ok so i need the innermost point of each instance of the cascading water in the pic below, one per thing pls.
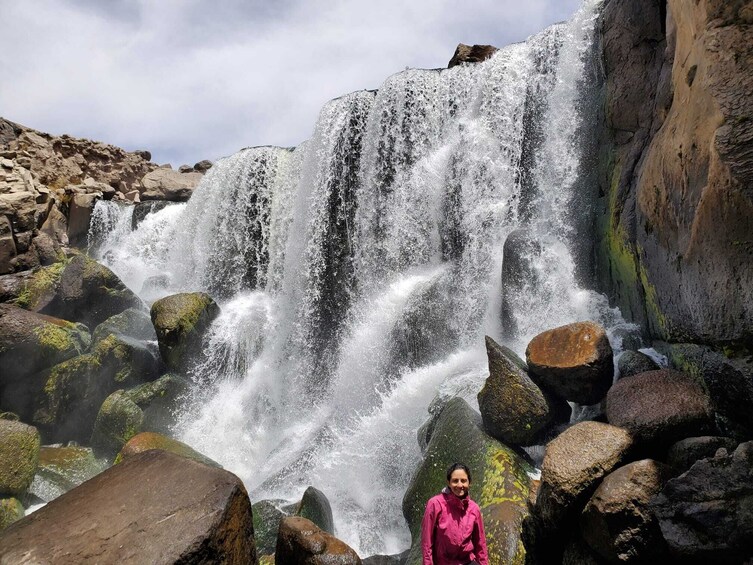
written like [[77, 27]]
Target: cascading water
[[358, 273]]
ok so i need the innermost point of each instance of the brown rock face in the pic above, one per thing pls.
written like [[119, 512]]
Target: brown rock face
[[574, 361], [167, 184], [301, 542], [618, 523], [659, 407], [471, 54], [574, 462], [154, 508]]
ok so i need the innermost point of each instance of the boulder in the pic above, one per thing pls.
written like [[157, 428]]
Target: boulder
[[143, 209], [79, 216], [132, 323], [63, 468], [167, 184], [156, 507], [155, 283], [386, 559], [573, 361], [30, 342], [266, 524], [314, 506], [471, 54], [631, 363], [180, 321], [659, 407], [618, 523], [500, 486], [202, 166], [89, 292], [12, 285], [146, 441], [158, 400], [301, 542], [11, 510], [519, 277], [19, 456], [514, 409], [705, 514], [574, 464], [39, 287], [682, 455]]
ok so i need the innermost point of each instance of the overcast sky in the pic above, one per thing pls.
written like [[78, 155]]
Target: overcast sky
[[192, 79]]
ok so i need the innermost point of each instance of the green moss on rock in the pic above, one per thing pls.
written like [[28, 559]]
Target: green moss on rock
[[40, 288], [11, 510], [19, 456], [266, 523], [119, 419]]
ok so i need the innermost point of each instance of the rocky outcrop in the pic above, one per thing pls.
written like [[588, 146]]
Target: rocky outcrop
[[676, 166], [180, 321], [513, 408], [471, 54], [19, 456], [141, 511], [573, 361], [500, 481], [301, 542]]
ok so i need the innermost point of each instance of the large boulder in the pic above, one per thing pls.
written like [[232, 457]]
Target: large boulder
[[314, 506], [501, 481], [40, 286], [705, 514], [156, 508], [659, 407], [147, 441], [301, 542], [574, 361], [89, 292], [31, 342], [19, 456], [513, 408], [618, 523], [180, 321], [168, 184]]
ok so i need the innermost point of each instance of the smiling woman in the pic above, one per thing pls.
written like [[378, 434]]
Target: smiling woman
[[452, 531]]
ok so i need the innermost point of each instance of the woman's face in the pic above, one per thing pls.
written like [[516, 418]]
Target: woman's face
[[459, 483]]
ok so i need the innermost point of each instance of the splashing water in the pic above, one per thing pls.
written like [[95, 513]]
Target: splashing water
[[358, 273]]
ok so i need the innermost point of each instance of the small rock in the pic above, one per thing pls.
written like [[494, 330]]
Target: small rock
[[19, 456], [471, 54], [133, 196], [11, 510], [300, 541], [185, 169], [202, 166], [634, 362], [685, 452]]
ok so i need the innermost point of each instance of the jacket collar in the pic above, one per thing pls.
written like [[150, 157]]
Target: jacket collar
[[452, 500]]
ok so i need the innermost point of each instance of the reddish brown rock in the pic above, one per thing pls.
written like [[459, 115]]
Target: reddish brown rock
[[155, 508], [471, 54], [147, 441], [301, 542], [659, 407], [573, 361]]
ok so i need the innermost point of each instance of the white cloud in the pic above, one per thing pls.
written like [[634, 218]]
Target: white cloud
[[197, 79]]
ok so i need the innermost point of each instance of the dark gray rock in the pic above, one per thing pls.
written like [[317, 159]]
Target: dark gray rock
[[132, 323], [633, 362], [314, 506], [685, 452], [267, 518], [143, 209]]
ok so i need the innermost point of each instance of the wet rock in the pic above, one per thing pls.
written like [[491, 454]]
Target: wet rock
[[573, 361], [19, 456], [146, 441], [618, 523], [659, 407], [89, 292], [132, 323], [500, 485], [11, 510], [156, 507], [267, 519], [314, 506], [79, 216], [519, 277], [682, 455], [158, 400], [634, 362], [155, 283], [514, 409], [118, 420], [180, 321], [166, 184], [705, 513], [301, 542], [386, 559], [471, 54], [143, 209], [63, 468], [40, 286], [574, 463]]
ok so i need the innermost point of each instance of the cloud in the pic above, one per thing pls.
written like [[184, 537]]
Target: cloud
[[195, 79]]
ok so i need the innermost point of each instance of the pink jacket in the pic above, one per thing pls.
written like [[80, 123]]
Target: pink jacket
[[452, 532]]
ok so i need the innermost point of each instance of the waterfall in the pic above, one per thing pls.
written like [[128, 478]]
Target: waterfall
[[359, 272]]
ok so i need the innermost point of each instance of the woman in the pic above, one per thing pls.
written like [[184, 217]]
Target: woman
[[452, 532]]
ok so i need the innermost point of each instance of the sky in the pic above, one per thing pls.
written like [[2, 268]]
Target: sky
[[198, 79]]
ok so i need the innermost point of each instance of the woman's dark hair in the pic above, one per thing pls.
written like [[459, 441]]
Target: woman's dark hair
[[455, 466]]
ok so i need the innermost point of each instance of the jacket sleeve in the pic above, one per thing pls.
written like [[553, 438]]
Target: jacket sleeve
[[427, 531], [479, 540]]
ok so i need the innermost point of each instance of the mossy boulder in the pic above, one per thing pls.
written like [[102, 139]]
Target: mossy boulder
[[62, 469], [19, 456], [146, 441], [132, 322], [39, 289], [90, 293], [30, 342], [315, 507], [180, 321], [514, 409], [267, 518], [11, 510], [72, 392], [159, 400], [500, 486]]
